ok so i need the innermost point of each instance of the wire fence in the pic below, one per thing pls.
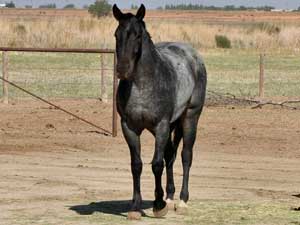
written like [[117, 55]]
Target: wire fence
[[72, 75], [45, 73], [59, 75], [238, 73]]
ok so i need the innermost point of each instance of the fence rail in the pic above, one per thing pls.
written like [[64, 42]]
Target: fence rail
[[65, 50], [5, 72]]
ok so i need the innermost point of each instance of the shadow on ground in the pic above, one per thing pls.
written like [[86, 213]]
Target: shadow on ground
[[297, 196], [108, 207]]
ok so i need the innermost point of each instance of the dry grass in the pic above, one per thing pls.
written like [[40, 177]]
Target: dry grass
[[59, 32], [87, 32]]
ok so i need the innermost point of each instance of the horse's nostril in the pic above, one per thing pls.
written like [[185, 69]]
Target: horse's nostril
[[121, 68]]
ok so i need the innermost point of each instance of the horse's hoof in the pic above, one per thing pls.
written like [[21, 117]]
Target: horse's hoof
[[181, 208], [134, 215], [158, 213], [171, 204]]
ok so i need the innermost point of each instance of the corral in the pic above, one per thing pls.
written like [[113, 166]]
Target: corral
[[56, 170]]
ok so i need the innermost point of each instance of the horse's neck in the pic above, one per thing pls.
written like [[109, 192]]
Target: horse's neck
[[146, 67]]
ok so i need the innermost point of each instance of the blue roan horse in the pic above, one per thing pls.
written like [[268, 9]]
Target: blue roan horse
[[162, 89]]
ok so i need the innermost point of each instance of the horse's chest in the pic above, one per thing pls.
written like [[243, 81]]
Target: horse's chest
[[141, 113]]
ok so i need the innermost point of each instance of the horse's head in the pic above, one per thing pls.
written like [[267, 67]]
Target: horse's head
[[128, 40]]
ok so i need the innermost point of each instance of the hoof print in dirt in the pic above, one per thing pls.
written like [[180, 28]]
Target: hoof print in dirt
[[134, 215], [50, 126]]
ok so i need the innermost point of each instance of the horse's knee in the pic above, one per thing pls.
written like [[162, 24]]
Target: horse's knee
[[187, 157], [137, 167], [157, 167], [170, 159]]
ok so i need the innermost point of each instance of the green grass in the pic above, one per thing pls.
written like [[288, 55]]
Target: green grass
[[242, 213], [237, 72], [78, 75]]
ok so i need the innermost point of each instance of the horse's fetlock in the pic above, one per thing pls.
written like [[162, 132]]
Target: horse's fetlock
[[170, 189]]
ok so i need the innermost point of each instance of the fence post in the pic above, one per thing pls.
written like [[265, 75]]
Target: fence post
[[115, 86], [262, 75], [103, 87], [5, 76]]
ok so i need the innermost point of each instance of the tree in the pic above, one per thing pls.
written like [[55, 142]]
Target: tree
[[69, 6], [229, 7], [48, 6], [134, 6], [100, 8], [10, 4]]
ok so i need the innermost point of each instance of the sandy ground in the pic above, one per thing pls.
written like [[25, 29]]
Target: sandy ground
[[53, 167]]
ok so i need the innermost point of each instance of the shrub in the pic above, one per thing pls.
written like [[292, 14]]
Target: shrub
[[48, 6], [266, 27], [222, 41], [10, 4], [100, 8], [20, 29], [69, 6]]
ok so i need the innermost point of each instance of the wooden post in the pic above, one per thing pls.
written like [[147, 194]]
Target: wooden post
[[103, 87], [115, 86], [262, 76], [5, 76]]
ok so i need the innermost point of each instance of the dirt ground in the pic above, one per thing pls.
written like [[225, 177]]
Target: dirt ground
[[55, 169]]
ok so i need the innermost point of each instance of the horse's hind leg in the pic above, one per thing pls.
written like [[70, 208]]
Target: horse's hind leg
[[189, 126], [133, 141], [170, 156]]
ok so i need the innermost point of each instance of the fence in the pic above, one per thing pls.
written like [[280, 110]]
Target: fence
[[239, 73], [33, 82], [249, 74]]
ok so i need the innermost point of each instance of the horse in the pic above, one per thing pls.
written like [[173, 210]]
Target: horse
[[161, 89]]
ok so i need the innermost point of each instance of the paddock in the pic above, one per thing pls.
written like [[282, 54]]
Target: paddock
[[56, 170]]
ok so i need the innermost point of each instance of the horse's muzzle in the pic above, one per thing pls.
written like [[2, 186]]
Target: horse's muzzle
[[123, 71]]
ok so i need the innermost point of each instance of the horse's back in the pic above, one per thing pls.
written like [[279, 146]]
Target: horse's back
[[188, 68]]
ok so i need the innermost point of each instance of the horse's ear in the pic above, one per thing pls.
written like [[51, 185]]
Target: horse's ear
[[117, 12], [141, 12]]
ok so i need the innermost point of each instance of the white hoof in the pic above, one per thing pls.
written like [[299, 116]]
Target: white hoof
[[182, 204], [171, 204], [133, 215], [181, 208], [160, 213]]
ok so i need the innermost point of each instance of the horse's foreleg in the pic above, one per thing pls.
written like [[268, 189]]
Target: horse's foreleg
[[161, 140], [133, 141]]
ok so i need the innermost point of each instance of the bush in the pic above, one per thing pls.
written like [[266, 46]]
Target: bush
[[269, 28], [100, 8], [20, 30], [69, 6], [222, 41], [48, 6], [10, 4]]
